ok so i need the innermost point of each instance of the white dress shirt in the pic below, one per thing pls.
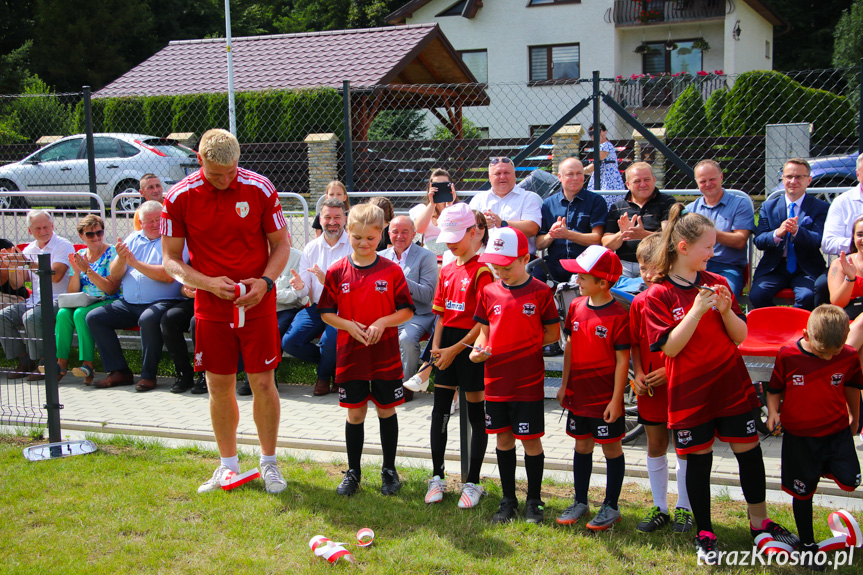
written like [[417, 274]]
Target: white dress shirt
[[843, 212], [318, 251], [519, 204]]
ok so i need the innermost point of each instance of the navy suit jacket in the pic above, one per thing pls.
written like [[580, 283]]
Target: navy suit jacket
[[807, 242], [421, 274]]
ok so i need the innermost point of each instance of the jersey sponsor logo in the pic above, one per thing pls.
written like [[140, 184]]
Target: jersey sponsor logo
[[523, 428], [750, 427], [797, 380], [199, 359], [242, 209], [602, 430], [446, 283], [381, 286], [496, 310], [454, 305], [678, 313], [497, 244], [799, 486], [528, 309], [346, 287], [464, 283], [836, 379], [684, 436], [602, 331], [574, 325]]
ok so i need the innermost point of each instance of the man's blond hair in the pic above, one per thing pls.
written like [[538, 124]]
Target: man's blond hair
[[219, 147], [366, 215]]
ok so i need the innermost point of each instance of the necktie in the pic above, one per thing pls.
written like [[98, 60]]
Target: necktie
[[791, 260]]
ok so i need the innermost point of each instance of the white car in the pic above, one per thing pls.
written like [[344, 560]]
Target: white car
[[121, 160]]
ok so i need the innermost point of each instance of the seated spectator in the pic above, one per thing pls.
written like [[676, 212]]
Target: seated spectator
[[642, 211], [90, 275], [734, 221], [21, 267], [147, 292], [8, 294], [387, 206], [572, 219], [288, 300], [789, 233], [845, 279], [425, 216], [335, 189], [151, 190], [174, 323], [420, 268], [318, 256]]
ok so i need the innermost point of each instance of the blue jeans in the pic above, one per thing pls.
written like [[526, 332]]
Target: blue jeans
[[308, 325], [104, 321], [733, 273]]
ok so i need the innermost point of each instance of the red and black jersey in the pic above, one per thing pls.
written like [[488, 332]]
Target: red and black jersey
[[708, 378], [515, 316], [226, 233], [815, 403], [596, 334], [457, 292], [654, 408], [366, 294]]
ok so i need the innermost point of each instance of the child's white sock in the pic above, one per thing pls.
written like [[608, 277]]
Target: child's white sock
[[267, 459], [232, 463], [682, 494], [657, 471]]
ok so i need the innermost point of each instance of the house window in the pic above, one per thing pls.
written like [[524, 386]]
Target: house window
[[454, 10], [684, 58], [477, 62], [767, 49], [554, 63]]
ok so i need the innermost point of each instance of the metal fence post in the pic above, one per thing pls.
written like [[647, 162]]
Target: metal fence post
[[91, 154], [597, 161], [49, 345], [348, 140]]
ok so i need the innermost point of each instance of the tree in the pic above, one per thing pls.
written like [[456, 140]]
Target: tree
[[469, 131], [398, 125], [806, 43]]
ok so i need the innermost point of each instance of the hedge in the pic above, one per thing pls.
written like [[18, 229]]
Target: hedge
[[686, 116]]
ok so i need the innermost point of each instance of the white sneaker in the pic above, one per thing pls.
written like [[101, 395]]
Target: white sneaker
[[416, 383], [273, 479], [437, 487], [471, 493], [214, 483]]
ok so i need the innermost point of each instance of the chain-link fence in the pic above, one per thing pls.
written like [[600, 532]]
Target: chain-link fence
[[299, 139]]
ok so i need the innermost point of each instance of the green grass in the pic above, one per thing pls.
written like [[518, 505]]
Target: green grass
[[131, 507]]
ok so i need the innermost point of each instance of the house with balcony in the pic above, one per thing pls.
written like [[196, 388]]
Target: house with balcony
[[546, 49]]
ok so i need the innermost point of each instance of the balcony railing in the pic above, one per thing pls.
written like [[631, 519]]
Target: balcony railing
[[658, 11], [649, 92]]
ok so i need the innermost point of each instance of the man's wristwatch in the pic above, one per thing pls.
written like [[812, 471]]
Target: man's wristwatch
[[269, 283], [504, 224]]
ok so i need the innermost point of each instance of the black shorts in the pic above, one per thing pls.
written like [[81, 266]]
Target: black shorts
[[806, 459], [526, 419], [583, 427], [643, 421], [730, 429], [462, 372], [383, 393]]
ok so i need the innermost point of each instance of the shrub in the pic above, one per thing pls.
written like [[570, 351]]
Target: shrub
[[686, 116], [714, 109], [40, 112], [125, 115], [468, 128], [157, 111]]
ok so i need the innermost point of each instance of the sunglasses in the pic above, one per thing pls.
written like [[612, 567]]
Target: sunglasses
[[501, 160], [96, 234]]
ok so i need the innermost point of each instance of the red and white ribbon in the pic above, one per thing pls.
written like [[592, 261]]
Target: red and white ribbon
[[239, 312], [770, 546], [233, 480], [332, 551], [846, 532]]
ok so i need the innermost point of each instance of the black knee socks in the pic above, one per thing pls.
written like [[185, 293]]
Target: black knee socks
[[533, 466], [506, 466], [582, 467], [355, 436], [478, 439], [439, 420], [698, 485], [389, 440], [803, 518], [614, 481], [752, 475]]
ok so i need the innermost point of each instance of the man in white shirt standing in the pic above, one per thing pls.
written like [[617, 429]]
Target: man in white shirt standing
[[40, 224], [508, 205], [318, 256]]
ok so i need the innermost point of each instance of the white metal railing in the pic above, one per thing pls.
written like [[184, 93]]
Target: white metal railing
[[13, 224]]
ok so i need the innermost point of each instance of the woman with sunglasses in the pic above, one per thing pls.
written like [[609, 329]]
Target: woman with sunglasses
[[609, 174], [89, 274]]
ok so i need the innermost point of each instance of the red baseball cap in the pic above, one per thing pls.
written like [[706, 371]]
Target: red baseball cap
[[505, 245], [597, 261]]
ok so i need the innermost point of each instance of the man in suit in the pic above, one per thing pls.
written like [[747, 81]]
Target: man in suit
[[420, 268], [789, 233]]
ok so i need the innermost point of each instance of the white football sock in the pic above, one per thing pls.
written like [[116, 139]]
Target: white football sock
[[657, 471], [682, 494], [232, 463]]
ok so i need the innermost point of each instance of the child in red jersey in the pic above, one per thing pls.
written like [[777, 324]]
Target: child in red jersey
[[694, 319], [650, 387], [595, 368], [518, 318], [459, 284], [366, 298], [820, 381]]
